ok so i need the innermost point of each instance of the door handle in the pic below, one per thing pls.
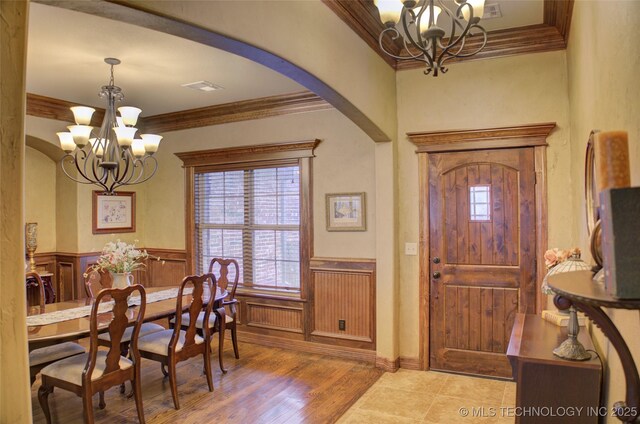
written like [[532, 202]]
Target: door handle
[[436, 275]]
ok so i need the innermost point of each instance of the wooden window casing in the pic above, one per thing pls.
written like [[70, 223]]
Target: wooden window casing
[[298, 154]]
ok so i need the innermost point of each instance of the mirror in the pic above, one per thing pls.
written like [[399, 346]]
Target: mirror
[[592, 202]]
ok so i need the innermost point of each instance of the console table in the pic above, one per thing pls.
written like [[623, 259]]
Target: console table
[[547, 381], [579, 289]]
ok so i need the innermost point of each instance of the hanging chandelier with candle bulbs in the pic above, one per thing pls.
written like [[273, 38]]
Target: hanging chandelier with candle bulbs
[[111, 156], [415, 22]]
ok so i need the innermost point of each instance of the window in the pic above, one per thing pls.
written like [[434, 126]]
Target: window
[[480, 202], [252, 204], [253, 216]]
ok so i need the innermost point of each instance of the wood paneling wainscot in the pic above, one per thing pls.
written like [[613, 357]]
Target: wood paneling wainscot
[[343, 289]]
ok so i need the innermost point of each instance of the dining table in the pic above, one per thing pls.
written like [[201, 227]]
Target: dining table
[[79, 327]]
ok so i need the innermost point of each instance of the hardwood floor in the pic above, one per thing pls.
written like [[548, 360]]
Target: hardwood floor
[[266, 385]]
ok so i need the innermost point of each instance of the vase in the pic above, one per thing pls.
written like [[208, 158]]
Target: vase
[[121, 280]]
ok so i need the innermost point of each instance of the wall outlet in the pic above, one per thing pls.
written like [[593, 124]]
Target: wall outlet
[[341, 325], [411, 249]]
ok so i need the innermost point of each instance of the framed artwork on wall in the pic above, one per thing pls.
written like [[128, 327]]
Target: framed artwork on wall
[[346, 212], [114, 213]]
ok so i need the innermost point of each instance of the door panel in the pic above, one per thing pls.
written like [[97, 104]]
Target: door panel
[[481, 207]]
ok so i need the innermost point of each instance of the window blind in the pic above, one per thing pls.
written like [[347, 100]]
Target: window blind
[[252, 216]]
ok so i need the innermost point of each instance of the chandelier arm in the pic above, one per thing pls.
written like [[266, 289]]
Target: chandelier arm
[[126, 175], [391, 30], [419, 43], [71, 159], [484, 43], [143, 167]]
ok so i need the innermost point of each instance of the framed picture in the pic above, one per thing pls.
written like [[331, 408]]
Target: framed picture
[[114, 213], [346, 212]]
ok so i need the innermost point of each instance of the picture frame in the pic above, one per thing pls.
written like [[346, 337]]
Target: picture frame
[[346, 211], [114, 213]]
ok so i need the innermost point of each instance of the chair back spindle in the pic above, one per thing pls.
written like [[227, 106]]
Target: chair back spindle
[[36, 277], [223, 279], [197, 305]]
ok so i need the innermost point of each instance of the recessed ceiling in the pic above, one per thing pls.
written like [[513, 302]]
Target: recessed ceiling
[[65, 60]]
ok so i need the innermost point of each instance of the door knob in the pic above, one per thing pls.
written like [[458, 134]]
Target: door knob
[[436, 275], [436, 260]]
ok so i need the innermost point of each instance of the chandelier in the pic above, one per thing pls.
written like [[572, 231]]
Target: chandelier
[[109, 157], [416, 23]]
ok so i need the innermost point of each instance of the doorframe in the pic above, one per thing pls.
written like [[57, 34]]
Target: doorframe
[[532, 135]]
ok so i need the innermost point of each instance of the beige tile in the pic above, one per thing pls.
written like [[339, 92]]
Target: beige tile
[[490, 392], [506, 420], [367, 417], [403, 403], [445, 409], [424, 381], [509, 398]]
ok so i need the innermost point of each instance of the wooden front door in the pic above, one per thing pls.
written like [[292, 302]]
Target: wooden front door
[[482, 256]]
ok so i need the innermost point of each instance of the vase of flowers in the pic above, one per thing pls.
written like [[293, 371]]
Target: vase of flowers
[[120, 259]]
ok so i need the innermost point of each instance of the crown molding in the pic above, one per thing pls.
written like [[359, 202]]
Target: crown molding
[[245, 110], [306, 101], [363, 18], [245, 154], [52, 108], [486, 138]]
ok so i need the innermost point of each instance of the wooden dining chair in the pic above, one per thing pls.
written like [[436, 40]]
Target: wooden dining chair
[[229, 307], [40, 358], [97, 370], [93, 284], [175, 345]]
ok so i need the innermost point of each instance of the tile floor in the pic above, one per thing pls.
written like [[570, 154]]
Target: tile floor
[[433, 398]]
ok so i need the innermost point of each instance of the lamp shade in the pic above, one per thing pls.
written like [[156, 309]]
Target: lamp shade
[[125, 135], [129, 115], [573, 263], [82, 114], [66, 141], [425, 17], [137, 147], [478, 9], [81, 134], [151, 142], [390, 10]]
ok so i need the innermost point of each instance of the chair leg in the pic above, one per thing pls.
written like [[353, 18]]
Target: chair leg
[[221, 351], [207, 366], [234, 339], [137, 393], [87, 408], [43, 398], [101, 405], [174, 384]]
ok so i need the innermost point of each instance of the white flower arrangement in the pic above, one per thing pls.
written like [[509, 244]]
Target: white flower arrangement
[[120, 257]]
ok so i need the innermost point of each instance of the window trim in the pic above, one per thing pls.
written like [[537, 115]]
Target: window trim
[[257, 156]]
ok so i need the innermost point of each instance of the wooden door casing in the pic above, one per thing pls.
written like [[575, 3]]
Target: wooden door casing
[[487, 268]]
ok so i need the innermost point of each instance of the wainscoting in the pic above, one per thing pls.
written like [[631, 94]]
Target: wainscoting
[[338, 290], [68, 270]]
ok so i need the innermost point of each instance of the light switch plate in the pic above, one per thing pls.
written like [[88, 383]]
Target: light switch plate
[[411, 249]]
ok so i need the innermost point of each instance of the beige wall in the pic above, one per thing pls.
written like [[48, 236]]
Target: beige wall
[[344, 162], [603, 60], [482, 94], [40, 197]]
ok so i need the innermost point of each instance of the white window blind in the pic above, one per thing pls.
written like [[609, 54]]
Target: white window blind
[[253, 216]]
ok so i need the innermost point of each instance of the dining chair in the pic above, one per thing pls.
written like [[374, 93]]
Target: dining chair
[[99, 369], [40, 358], [176, 345], [230, 301], [94, 282]]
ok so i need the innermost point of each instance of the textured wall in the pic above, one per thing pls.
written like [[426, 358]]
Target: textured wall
[[482, 94], [603, 60], [40, 197]]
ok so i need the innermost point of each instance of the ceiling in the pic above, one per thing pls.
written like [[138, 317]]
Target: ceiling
[[65, 57]]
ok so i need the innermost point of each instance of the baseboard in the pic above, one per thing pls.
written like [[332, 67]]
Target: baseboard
[[309, 347], [408, 363], [388, 365]]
